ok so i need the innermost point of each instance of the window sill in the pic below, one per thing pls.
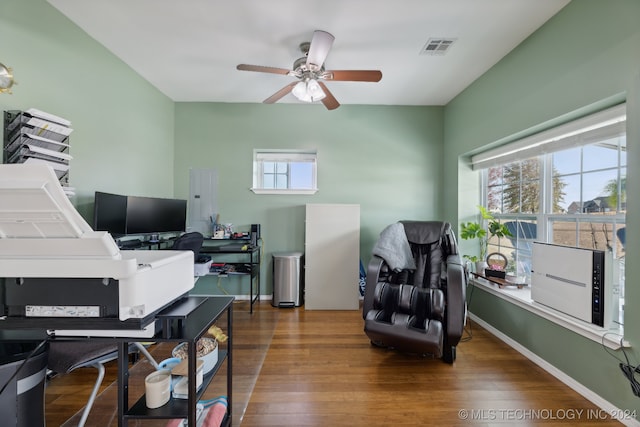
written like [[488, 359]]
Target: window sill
[[522, 298], [265, 191]]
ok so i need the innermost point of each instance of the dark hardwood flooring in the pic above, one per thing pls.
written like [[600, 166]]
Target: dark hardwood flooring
[[296, 367]]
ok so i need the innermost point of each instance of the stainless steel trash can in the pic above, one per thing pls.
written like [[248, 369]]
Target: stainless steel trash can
[[287, 279]]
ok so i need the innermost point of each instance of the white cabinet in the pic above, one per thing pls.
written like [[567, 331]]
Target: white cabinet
[[332, 256]]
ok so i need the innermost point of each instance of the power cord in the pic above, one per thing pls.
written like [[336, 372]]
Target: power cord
[[628, 370]]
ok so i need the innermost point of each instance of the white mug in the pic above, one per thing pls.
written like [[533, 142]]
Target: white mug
[[157, 388]]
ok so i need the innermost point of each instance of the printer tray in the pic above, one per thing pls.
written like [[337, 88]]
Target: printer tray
[[19, 296], [22, 294], [79, 324]]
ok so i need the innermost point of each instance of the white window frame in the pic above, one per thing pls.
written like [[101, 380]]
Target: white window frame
[[604, 124], [285, 156], [578, 132]]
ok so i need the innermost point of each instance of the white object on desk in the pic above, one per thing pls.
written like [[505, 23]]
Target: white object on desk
[[157, 387], [44, 239]]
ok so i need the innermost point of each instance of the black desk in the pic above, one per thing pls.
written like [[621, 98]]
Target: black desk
[[186, 320], [183, 322], [252, 259]]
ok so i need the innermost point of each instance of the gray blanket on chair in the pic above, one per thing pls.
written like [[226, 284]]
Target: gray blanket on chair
[[393, 247]]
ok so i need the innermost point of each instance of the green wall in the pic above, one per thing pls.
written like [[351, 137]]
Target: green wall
[[396, 162], [387, 159], [586, 57], [131, 139], [123, 127]]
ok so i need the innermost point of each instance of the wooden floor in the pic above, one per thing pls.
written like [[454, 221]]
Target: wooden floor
[[296, 367]]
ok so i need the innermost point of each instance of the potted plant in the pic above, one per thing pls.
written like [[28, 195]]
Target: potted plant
[[476, 230]]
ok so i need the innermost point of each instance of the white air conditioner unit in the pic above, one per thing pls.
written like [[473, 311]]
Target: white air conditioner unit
[[574, 281]]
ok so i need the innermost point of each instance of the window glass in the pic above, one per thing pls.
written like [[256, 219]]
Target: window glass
[[301, 175], [521, 192], [495, 189], [594, 191], [600, 156], [567, 161], [281, 167], [618, 191], [564, 233], [284, 172], [566, 193], [570, 195]]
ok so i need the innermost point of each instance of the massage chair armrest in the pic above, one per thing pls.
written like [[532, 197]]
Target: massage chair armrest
[[456, 299], [373, 273]]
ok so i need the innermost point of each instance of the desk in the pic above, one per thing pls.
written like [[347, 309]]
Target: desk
[[186, 320], [140, 243], [252, 261]]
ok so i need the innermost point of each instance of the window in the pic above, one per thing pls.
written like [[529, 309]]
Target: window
[[565, 186], [284, 172]]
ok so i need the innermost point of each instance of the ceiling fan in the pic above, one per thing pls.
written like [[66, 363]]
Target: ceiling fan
[[311, 73]]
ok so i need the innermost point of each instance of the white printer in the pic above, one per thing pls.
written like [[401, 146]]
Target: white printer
[[58, 274]]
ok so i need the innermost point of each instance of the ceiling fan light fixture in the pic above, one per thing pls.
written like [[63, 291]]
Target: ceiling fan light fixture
[[308, 91], [314, 90], [311, 74], [300, 91], [6, 79]]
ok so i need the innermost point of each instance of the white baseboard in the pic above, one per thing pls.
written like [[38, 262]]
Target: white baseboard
[[588, 394], [243, 297], [247, 297]]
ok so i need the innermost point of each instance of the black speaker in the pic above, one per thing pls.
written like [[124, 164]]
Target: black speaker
[[255, 234]]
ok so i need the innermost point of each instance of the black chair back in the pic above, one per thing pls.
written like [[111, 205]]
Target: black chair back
[[189, 241]]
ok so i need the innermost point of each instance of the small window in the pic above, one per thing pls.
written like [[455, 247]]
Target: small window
[[284, 171]]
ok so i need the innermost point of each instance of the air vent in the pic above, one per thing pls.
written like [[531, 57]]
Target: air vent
[[437, 46]]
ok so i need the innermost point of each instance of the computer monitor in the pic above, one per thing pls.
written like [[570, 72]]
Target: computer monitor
[[110, 213], [147, 215]]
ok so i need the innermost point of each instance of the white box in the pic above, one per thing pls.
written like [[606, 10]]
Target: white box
[[202, 268]]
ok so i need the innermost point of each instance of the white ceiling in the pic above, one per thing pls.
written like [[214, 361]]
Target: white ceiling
[[189, 49]]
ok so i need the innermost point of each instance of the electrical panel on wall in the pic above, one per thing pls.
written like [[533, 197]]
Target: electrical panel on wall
[[34, 136], [203, 208]]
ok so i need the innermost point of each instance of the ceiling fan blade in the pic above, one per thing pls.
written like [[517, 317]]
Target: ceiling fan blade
[[329, 100], [279, 94], [263, 69], [353, 75], [319, 49]]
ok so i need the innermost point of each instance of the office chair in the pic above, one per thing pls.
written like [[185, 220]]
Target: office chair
[[414, 297], [67, 356], [189, 241]]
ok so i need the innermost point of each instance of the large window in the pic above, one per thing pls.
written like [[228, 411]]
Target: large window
[[565, 186], [284, 172]]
